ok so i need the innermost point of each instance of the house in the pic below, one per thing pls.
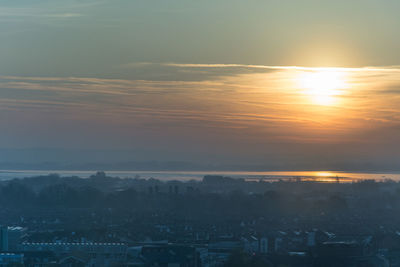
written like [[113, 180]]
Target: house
[[6, 259], [170, 255]]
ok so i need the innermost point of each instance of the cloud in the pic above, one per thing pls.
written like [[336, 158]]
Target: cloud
[[35, 13], [266, 67], [244, 109], [201, 72], [62, 15]]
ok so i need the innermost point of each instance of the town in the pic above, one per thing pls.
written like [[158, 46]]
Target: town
[[219, 221]]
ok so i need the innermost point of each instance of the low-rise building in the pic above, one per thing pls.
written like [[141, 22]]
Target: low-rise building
[[105, 253], [11, 258]]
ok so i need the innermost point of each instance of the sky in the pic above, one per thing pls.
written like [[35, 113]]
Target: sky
[[227, 84]]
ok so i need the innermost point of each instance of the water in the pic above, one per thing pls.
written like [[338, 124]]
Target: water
[[325, 176]]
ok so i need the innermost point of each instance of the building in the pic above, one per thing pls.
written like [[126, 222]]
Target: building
[[3, 238], [344, 249], [105, 254], [170, 255], [39, 258], [10, 237], [254, 245], [15, 236], [263, 245], [219, 251], [11, 258]]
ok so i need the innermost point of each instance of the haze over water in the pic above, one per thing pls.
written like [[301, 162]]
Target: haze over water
[[320, 176]]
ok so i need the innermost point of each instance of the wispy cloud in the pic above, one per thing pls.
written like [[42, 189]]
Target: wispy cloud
[[35, 13], [247, 109], [266, 67], [62, 15], [246, 100]]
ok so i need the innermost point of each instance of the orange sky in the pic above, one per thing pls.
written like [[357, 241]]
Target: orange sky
[[215, 82], [234, 113]]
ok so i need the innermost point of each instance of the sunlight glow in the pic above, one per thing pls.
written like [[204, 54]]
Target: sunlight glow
[[324, 174], [323, 85]]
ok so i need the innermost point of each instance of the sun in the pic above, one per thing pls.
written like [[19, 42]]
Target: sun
[[322, 85]]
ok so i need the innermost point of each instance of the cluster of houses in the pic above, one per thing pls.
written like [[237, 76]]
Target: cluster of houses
[[293, 248]]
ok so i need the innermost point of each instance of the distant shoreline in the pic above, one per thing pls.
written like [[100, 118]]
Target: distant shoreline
[[198, 175]]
